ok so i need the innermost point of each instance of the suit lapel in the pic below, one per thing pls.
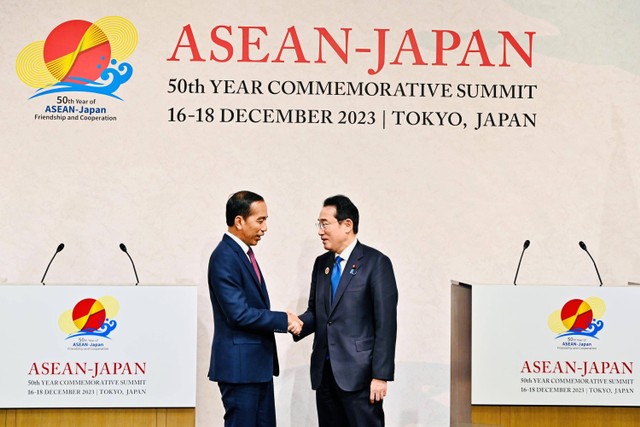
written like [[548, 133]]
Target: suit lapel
[[347, 274], [325, 282], [244, 260]]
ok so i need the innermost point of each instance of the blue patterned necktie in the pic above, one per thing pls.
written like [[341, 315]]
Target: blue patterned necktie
[[335, 277]]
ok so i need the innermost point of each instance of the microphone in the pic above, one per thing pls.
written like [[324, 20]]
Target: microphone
[[123, 248], [584, 248], [59, 249], [524, 248]]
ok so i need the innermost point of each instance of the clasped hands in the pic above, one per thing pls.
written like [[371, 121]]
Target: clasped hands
[[295, 324]]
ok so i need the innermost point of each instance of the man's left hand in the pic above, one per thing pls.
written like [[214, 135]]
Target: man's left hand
[[378, 390]]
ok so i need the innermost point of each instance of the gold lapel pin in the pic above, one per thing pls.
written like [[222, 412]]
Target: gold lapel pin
[[326, 271]]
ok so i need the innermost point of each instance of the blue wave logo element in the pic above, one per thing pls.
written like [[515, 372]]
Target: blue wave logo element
[[595, 327], [110, 81], [107, 327]]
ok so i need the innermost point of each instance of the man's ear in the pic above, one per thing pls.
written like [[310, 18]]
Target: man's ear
[[238, 222]]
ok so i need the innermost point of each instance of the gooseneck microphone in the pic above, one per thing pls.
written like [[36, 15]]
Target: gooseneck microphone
[[59, 249], [524, 248], [123, 248], [584, 248]]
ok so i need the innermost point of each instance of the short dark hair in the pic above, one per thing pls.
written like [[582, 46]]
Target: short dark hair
[[240, 204], [345, 209]]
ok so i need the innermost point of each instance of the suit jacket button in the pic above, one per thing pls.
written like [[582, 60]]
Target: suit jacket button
[[329, 323]]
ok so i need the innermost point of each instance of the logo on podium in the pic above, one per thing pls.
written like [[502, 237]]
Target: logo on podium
[[578, 321], [90, 320]]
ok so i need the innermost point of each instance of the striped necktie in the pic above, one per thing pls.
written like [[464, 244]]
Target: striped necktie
[[252, 257]]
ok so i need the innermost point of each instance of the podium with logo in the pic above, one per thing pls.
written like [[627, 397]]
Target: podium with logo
[[97, 355], [544, 355]]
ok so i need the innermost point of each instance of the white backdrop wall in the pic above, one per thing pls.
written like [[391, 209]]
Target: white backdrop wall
[[443, 202]]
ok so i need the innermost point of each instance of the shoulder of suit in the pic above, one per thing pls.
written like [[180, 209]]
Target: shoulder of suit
[[369, 251], [324, 256], [226, 246]]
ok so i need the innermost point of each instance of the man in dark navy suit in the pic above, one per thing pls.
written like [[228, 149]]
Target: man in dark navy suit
[[352, 310], [243, 354]]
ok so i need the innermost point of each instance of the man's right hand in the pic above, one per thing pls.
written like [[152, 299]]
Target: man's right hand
[[295, 324]]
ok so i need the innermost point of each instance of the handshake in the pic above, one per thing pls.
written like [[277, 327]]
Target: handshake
[[295, 324]]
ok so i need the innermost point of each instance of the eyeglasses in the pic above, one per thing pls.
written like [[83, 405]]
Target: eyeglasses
[[323, 225]]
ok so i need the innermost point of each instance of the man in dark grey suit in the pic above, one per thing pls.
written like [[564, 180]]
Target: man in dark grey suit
[[243, 354], [352, 310]]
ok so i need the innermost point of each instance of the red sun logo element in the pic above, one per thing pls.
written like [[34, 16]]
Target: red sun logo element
[[89, 315], [77, 51], [576, 315]]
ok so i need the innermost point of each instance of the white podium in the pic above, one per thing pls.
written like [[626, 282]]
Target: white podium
[[92, 346], [544, 355]]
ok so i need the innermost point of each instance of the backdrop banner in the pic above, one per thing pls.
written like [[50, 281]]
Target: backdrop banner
[[459, 129]]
